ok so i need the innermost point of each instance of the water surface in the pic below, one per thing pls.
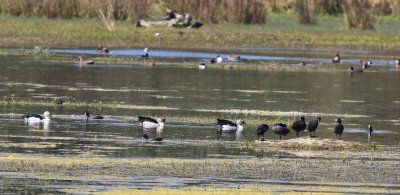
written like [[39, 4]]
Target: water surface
[[359, 99]]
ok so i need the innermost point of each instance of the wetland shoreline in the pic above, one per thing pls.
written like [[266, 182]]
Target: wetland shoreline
[[332, 168], [84, 33]]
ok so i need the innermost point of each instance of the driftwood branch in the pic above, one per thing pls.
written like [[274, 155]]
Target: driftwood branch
[[172, 20]]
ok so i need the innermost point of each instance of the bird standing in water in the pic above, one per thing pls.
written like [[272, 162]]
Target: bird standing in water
[[261, 129], [280, 129], [313, 125], [299, 125], [146, 51], [337, 59], [338, 130]]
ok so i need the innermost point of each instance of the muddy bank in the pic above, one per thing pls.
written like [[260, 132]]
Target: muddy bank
[[306, 143], [335, 169]]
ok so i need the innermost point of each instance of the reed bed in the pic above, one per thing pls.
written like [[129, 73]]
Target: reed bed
[[234, 11], [333, 7], [121, 9], [358, 14], [304, 12]]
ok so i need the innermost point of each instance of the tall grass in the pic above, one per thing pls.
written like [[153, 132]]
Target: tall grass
[[119, 9], [395, 5], [358, 14], [234, 11], [304, 12], [331, 7], [334, 7]]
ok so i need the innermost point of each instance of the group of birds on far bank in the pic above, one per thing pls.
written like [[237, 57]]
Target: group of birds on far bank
[[365, 64], [158, 124]]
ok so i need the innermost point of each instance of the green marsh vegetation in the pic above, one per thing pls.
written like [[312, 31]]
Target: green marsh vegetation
[[279, 31], [378, 171], [275, 25]]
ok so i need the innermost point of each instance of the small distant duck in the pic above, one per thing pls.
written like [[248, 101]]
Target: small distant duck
[[397, 62], [87, 114], [238, 58], [232, 58], [157, 139], [146, 51], [338, 128], [280, 129], [202, 66], [150, 123], [336, 59], [102, 49], [151, 64], [81, 61], [313, 125], [355, 70], [365, 64], [225, 125], [299, 125], [59, 101], [212, 60], [261, 129], [219, 59], [370, 130], [303, 63], [35, 118]]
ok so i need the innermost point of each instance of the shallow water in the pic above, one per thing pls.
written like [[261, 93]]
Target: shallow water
[[359, 99]]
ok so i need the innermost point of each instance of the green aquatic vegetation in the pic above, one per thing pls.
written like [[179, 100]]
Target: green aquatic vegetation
[[291, 169], [93, 104], [274, 68], [252, 117], [278, 113]]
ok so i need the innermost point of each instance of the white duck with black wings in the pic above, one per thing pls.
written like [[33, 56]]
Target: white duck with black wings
[[225, 125], [150, 123], [36, 118]]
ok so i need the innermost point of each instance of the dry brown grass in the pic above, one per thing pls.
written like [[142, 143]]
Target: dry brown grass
[[395, 6], [304, 12], [358, 14], [334, 7], [234, 11], [120, 9]]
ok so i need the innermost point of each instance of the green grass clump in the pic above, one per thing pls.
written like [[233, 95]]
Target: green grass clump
[[366, 147], [93, 104]]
